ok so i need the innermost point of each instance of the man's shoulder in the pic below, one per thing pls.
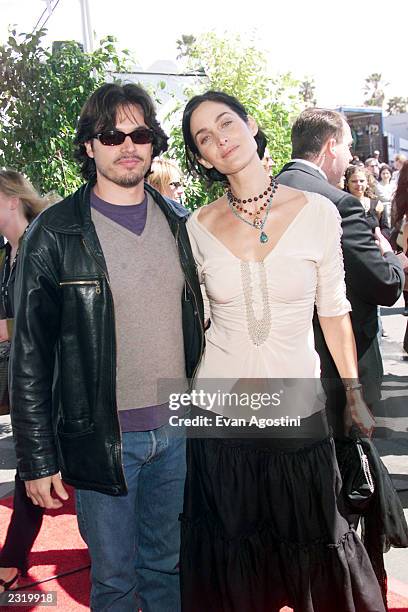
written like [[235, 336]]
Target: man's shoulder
[[62, 217], [337, 196], [305, 178], [177, 210], [55, 211], [65, 212]]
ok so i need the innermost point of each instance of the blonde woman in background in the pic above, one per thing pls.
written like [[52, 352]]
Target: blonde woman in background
[[19, 205], [166, 177]]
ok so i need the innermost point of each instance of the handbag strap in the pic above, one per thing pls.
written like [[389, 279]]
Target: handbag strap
[[366, 466]]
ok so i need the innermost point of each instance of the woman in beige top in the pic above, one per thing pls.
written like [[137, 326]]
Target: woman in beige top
[[261, 526]]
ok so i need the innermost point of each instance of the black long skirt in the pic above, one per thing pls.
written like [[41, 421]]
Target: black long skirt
[[262, 528]]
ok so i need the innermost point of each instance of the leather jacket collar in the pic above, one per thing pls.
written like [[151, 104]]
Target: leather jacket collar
[[74, 217]]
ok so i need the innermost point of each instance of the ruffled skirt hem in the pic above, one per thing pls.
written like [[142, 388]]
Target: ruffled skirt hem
[[261, 530]]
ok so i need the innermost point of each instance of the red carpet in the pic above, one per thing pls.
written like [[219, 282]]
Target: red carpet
[[59, 549]]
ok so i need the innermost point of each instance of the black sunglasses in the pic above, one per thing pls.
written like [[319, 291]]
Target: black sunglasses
[[112, 138]]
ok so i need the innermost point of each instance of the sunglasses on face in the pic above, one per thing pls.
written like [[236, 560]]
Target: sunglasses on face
[[112, 138]]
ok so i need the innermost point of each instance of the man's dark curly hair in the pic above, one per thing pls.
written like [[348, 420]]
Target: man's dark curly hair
[[99, 115]]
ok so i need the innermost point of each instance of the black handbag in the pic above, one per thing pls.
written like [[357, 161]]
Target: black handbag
[[358, 482]]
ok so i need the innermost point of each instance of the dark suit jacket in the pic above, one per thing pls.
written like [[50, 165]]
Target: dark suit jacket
[[371, 279]]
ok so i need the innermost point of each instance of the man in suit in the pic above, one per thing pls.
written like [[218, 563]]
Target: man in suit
[[321, 141]]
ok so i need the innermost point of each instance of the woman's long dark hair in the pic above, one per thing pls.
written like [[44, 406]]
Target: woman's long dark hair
[[400, 201], [192, 153]]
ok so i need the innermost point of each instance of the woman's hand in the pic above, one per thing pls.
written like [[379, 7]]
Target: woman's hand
[[358, 413]]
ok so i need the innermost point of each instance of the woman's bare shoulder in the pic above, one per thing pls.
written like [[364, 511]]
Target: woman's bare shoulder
[[210, 212], [286, 194]]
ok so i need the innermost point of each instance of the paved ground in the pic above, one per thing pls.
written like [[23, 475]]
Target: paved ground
[[392, 431], [392, 422], [7, 457]]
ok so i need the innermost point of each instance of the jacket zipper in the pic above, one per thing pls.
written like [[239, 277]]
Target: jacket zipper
[[118, 456], [196, 310], [95, 283]]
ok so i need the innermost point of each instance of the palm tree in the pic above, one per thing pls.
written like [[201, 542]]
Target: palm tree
[[307, 91], [374, 89], [185, 45]]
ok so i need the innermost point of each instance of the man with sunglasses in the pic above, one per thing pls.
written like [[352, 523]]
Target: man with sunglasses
[[110, 305]]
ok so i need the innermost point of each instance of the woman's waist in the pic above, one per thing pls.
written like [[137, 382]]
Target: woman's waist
[[270, 405], [273, 395], [273, 343], [273, 327]]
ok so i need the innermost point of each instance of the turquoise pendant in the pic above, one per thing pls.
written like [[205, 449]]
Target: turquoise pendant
[[263, 238]]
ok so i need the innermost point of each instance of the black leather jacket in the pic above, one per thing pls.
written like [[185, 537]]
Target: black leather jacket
[[63, 359]]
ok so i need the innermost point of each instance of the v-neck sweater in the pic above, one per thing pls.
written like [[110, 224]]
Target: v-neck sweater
[[147, 283]]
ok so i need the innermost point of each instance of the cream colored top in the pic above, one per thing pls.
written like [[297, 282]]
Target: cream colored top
[[261, 312]]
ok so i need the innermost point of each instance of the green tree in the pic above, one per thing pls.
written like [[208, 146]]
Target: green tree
[[40, 100], [240, 70], [374, 90], [397, 105]]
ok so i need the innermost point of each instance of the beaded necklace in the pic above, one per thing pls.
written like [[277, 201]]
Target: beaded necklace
[[257, 223], [236, 201]]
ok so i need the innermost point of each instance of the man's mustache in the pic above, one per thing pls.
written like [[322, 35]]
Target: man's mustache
[[132, 157]]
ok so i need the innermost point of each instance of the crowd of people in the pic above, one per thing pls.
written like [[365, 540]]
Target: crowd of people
[[275, 285], [381, 184], [384, 200]]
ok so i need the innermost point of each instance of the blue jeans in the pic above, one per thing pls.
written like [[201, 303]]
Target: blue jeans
[[134, 539]]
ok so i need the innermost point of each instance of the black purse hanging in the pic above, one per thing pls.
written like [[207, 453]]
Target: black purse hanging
[[4, 361], [357, 476], [5, 267]]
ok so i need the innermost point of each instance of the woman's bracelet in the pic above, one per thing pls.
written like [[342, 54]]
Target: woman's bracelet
[[352, 386]]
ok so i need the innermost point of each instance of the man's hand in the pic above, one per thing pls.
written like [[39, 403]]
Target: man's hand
[[379, 209], [4, 335], [39, 491], [382, 242]]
